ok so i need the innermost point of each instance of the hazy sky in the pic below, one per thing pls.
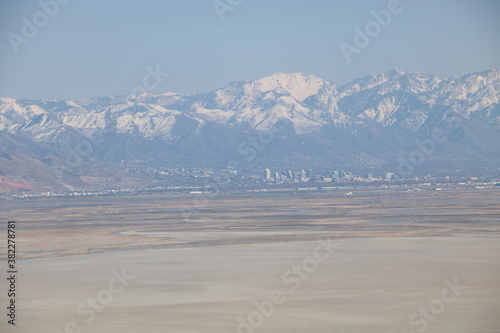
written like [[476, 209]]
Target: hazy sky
[[103, 47]]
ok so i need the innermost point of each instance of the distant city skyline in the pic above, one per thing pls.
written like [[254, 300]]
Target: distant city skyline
[[60, 49]]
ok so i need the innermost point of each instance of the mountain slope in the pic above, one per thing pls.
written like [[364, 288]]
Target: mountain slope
[[375, 118]]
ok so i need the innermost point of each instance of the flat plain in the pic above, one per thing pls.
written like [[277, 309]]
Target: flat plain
[[379, 260]]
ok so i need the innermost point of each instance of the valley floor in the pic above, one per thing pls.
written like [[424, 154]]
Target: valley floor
[[376, 261]]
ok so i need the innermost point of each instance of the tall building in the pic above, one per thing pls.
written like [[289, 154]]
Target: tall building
[[289, 174], [303, 175], [267, 174]]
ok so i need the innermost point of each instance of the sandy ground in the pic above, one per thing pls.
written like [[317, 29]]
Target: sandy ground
[[380, 261]]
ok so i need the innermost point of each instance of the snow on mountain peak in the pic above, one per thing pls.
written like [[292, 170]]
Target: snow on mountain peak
[[7, 100], [394, 98], [299, 85], [396, 71]]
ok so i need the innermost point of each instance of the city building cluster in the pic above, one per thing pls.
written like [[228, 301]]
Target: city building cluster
[[327, 177]]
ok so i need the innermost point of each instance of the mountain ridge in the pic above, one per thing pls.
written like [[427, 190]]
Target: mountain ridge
[[377, 118]]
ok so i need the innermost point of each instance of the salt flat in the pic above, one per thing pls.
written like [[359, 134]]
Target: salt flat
[[161, 264]]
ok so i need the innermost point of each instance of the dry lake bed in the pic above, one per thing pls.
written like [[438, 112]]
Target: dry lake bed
[[379, 260]]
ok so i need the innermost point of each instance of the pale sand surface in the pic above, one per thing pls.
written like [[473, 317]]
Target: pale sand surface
[[199, 275]]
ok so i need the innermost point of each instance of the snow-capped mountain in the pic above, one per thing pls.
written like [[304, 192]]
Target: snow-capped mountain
[[392, 99], [377, 117]]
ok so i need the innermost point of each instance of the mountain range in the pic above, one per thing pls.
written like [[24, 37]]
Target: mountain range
[[375, 120]]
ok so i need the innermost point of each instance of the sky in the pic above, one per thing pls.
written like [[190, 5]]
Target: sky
[[92, 48]]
